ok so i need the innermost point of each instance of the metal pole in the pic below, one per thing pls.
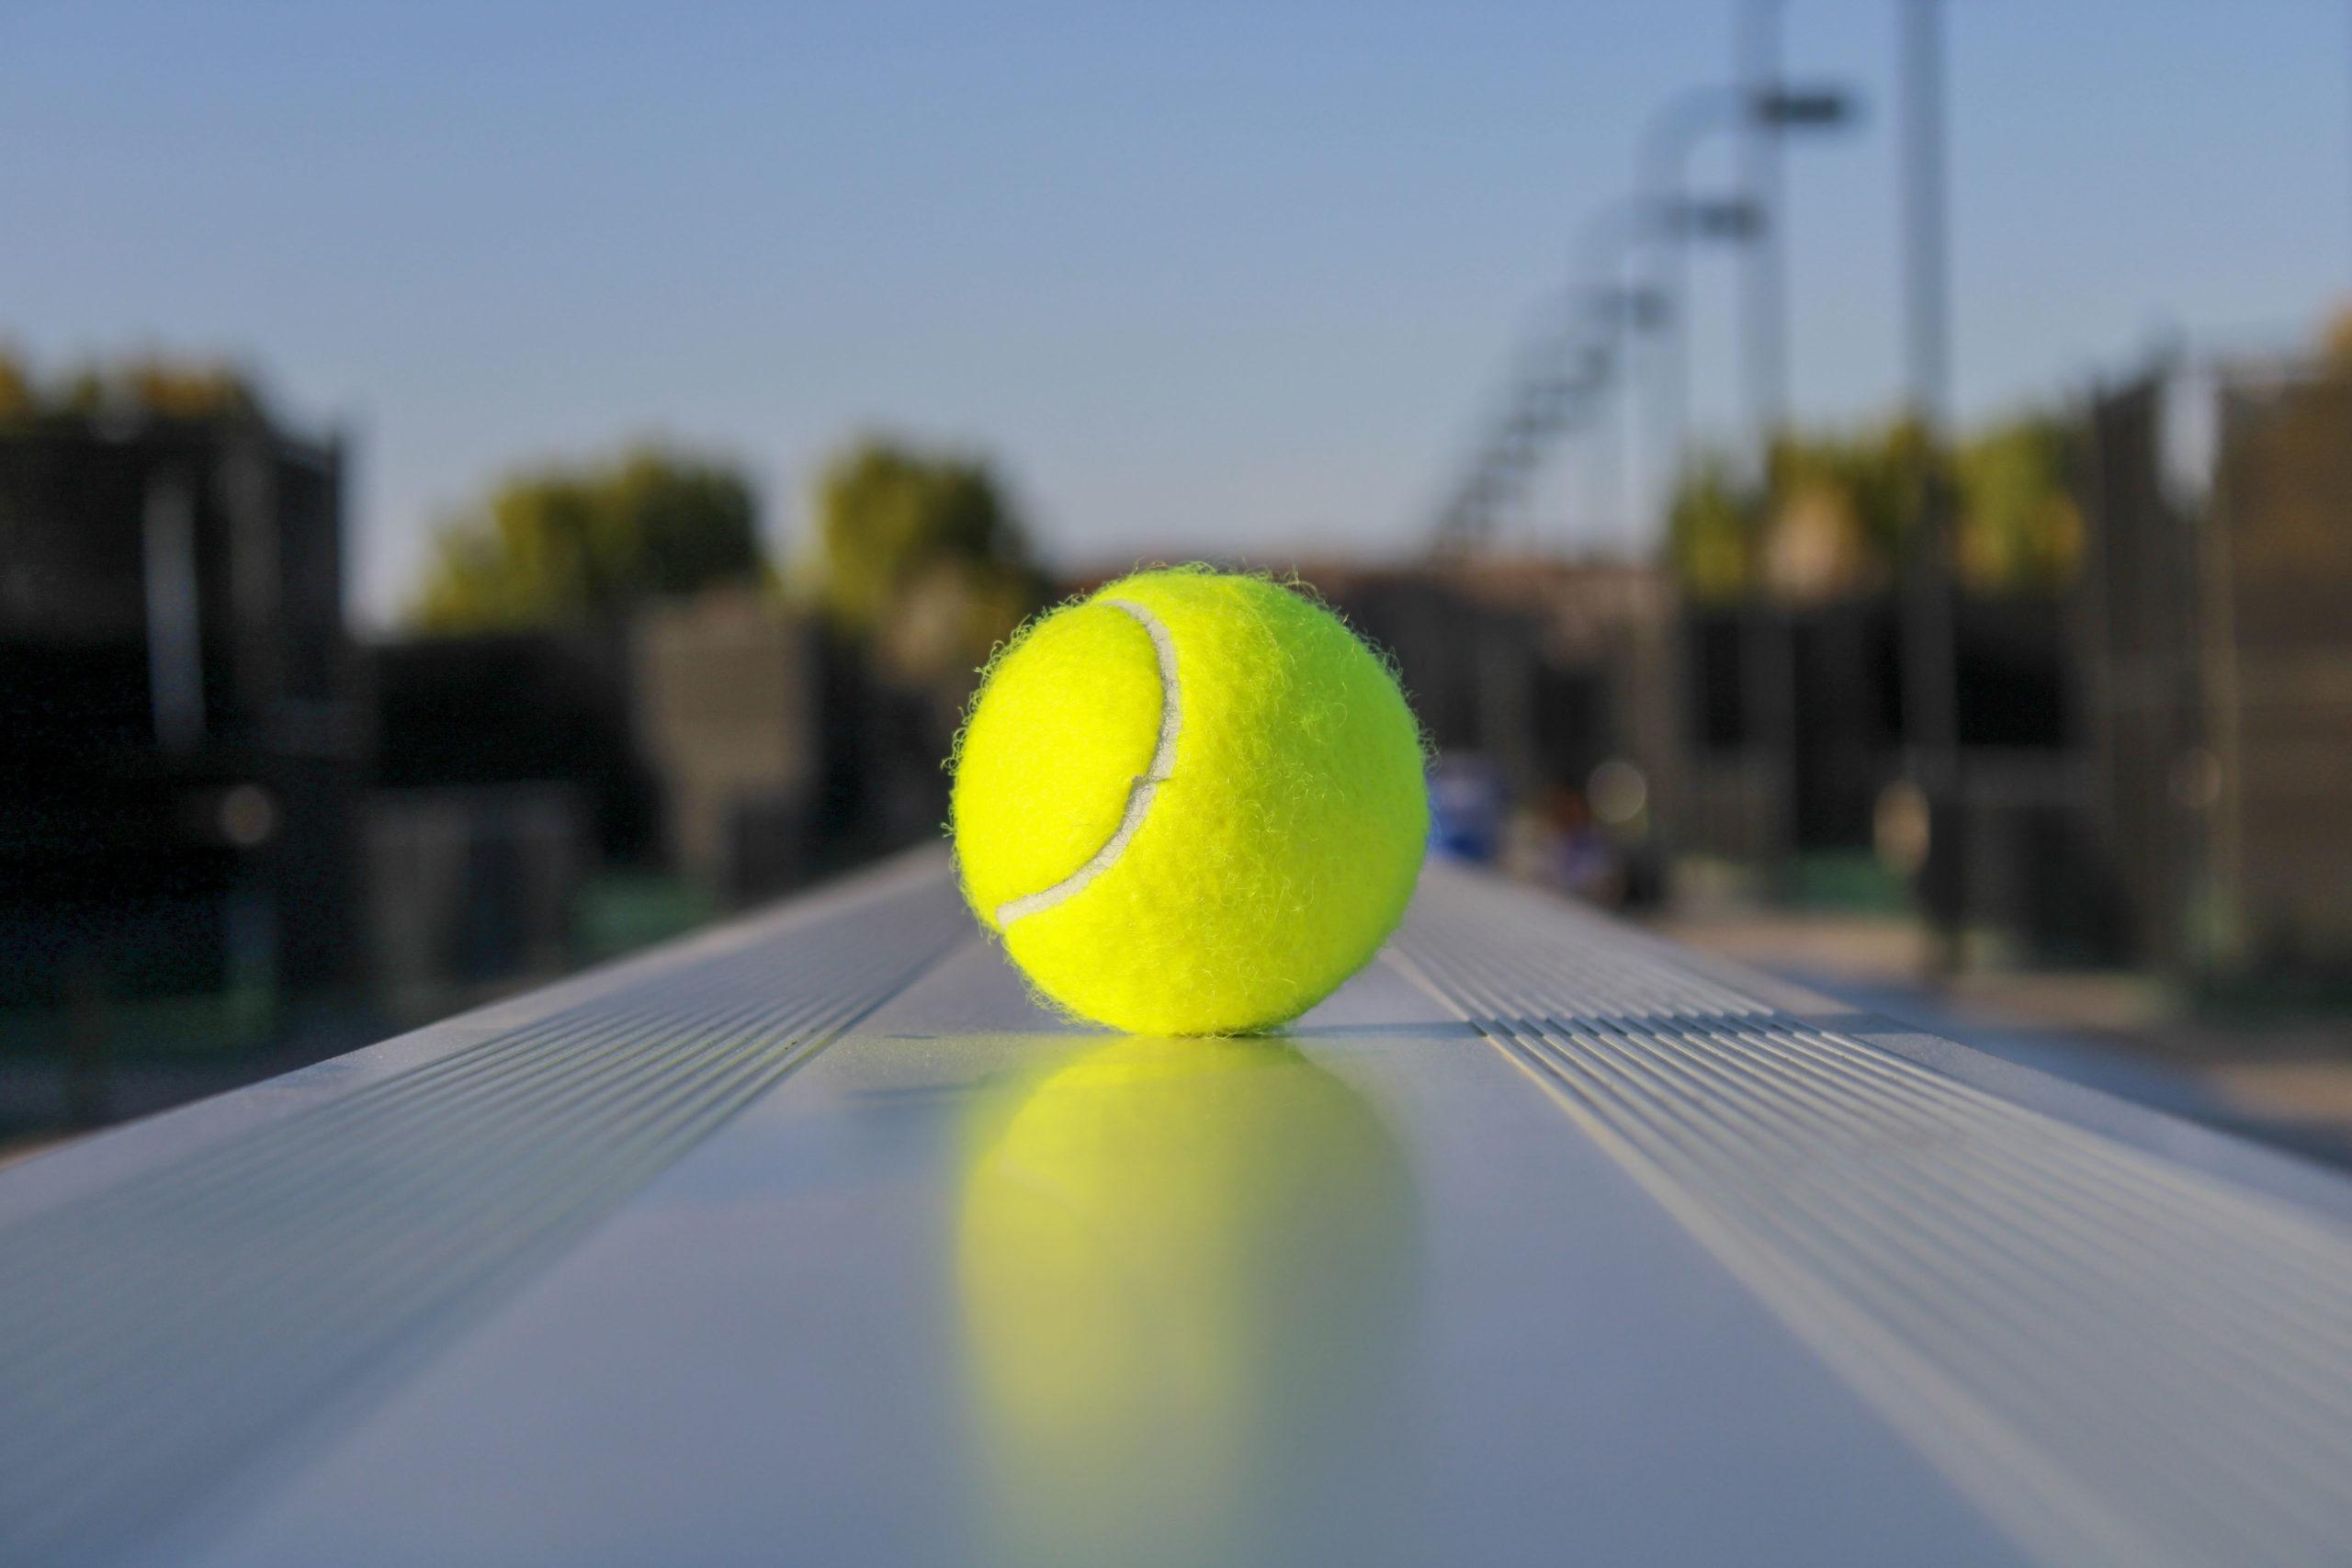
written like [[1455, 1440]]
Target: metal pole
[[1766, 300], [1607, 465], [1767, 653], [1666, 149], [1670, 403], [1931, 694], [1665, 152], [1926, 260], [1611, 238]]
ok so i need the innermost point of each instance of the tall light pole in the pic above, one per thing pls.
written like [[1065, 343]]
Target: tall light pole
[[1927, 333], [1763, 109], [1667, 146], [1564, 368], [1565, 365], [1674, 133], [1626, 305], [1759, 70], [1930, 622]]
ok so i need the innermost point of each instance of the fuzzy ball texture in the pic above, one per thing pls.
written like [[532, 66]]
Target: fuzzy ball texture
[[1190, 804]]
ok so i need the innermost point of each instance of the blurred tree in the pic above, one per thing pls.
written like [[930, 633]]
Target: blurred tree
[[18, 399], [921, 559], [2020, 525], [1711, 533], [1890, 471], [149, 384], [1834, 513], [2336, 339], [573, 544]]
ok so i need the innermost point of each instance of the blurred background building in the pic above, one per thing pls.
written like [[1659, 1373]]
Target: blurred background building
[[2215, 649], [188, 737]]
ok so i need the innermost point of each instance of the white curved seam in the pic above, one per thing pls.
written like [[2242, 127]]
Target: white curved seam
[[1139, 794]]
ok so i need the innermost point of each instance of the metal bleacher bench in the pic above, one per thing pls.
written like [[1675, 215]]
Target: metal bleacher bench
[[812, 1240]]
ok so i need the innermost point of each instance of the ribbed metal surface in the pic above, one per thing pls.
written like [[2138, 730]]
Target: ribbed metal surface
[[2122, 1359], [363, 1319], [156, 1332]]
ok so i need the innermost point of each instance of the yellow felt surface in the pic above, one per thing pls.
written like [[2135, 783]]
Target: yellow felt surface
[[1042, 775], [1273, 861]]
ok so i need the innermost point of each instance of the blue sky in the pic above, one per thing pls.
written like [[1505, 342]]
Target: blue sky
[[1198, 276]]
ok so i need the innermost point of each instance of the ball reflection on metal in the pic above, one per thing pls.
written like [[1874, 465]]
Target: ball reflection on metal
[[1185, 1274]]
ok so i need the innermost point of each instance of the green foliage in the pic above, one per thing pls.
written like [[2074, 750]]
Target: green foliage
[[1839, 513], [154, 385], [2019, 526], [1712, 534], [2336, 340], [574, 543], [1878, 477], [920, 557], [17, 397], [886, 514]]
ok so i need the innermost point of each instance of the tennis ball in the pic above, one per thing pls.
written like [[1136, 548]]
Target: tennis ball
[[1190, 804]]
